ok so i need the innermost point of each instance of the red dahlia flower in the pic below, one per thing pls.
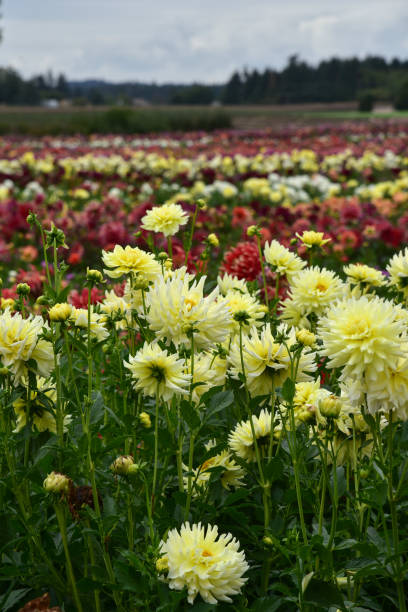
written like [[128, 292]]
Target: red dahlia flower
[[243, 261]]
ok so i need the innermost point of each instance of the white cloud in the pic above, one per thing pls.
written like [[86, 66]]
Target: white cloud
[[181, 41]]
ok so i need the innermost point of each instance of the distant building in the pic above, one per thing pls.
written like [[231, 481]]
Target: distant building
[[50, 103], [140, 102]]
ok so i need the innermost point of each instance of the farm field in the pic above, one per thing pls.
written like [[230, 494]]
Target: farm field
[[204, 366], [38, 121]]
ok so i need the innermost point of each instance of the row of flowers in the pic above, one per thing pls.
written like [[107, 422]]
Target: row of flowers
[[205, 399]]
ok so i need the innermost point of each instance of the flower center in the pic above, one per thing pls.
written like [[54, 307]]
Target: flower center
[[157, 372], [189, 303], [206, 553], [357, 327], [321, 287]]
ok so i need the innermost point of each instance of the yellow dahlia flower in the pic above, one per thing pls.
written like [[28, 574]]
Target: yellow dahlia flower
[[228, 283], [20, 342], [241, 440], [176, 307], [204, 562], [60, 312], [79, 317], [231, 473], [131, 260], [166, 219], [281, 260], [155, 371], [389, 390], [311, 239], [315, 289], [38, 411], [364, 336], [306, 401], [267, 363], [398, 271], [117, 308], [244, 303], [360, 274], [209, 371]]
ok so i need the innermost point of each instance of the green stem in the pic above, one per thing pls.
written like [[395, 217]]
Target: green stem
[[59, 512], [93, 564], [170, 247], [156, 444], [189, 482], [190, 239], [258, 241], [394, 518]]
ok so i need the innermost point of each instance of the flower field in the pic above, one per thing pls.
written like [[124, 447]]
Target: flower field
[[204, 370]]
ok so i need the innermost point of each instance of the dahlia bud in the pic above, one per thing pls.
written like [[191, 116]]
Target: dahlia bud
[[145, 420], [122, 464], [168, 264], [4, 371], [201, 204], [253, 230], [241, 317], [32, 218], [60, 312], [55, 235], [267, 541], [56, 483], [135, 467], [305, 337], [162, 564], [213, 240], [162, 256], [94, 276], [23, 289], [141, 283], [330, 407], [42, 300]]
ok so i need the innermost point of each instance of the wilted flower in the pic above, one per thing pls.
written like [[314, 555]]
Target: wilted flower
[[56, 483], [122, 464]]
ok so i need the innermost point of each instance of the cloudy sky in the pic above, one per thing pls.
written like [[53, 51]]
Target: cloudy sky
[[185, 40]]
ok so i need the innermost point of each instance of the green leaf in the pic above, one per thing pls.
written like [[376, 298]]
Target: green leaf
[[267, 604], [97, 408], [288, 390], [324, 594], [189, 415], [13, 597]]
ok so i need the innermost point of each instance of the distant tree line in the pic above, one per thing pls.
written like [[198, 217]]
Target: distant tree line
[[333, 80]]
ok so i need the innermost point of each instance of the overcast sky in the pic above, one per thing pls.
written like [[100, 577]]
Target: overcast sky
[[185, 40]]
